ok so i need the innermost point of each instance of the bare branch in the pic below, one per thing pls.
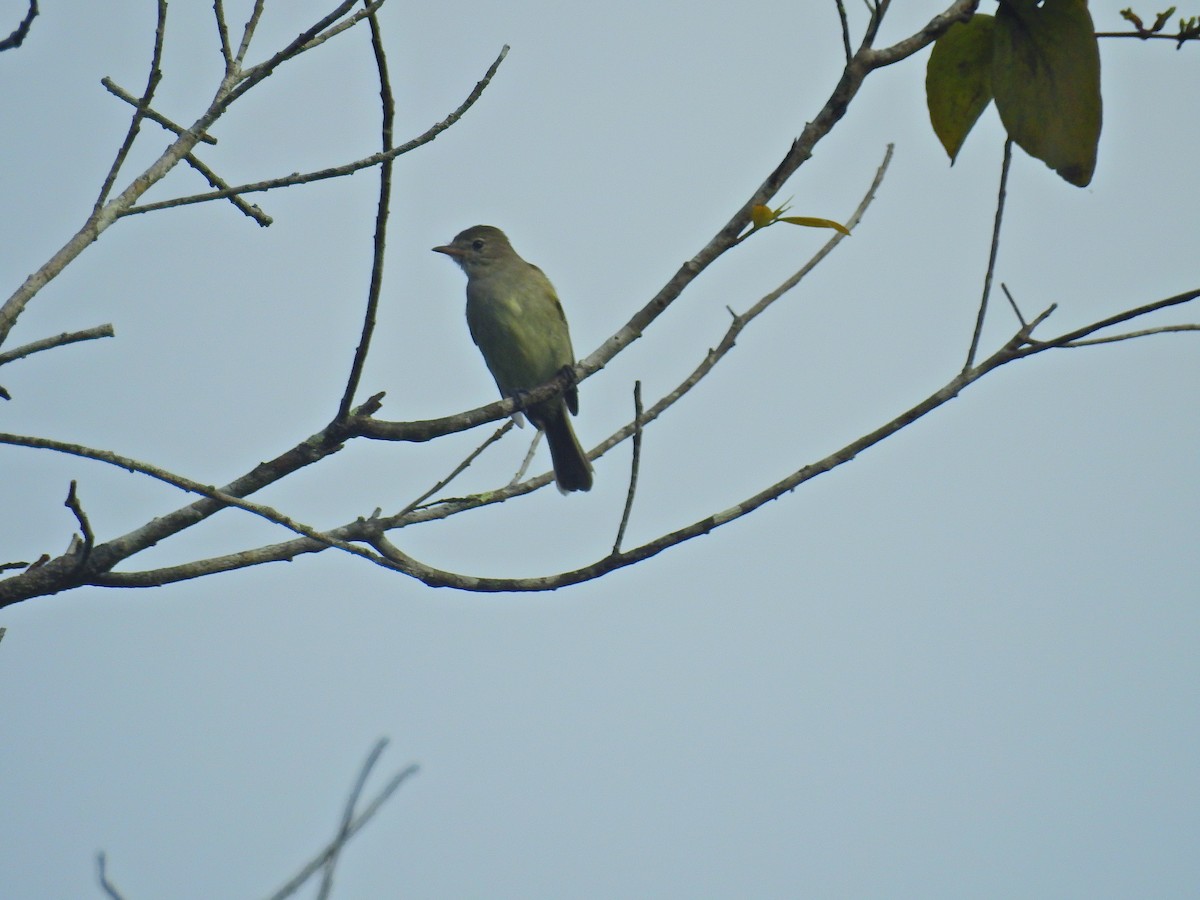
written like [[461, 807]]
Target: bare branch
[[209, 175], [634, 465], [388, 114], [351, 824], [233, 86], [248, 33], [215, 180], [1073, 338], [877, 9], [959, 11], [1180, 38], [137, 540], [841, 9], [334, 171], [1021, 345], [139, 113], [1013, 303], [864, 61], [347, 818], [440, 578], [22, 30], [413, 513], [992, 253], [223, 34], [458, 470], [311, 37], [58, 340], [1018, 347], [102, 876], [154, 116], [528, 460], [98, 567], [1129, 335], [85, 527]]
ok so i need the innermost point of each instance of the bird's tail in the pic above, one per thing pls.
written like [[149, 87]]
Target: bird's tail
[[572, 470]]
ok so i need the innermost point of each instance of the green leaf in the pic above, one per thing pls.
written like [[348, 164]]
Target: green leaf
[[813, 222], [1046, 80], [958, 80]]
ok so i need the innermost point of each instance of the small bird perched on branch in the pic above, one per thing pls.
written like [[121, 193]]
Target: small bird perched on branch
[[518, 324]]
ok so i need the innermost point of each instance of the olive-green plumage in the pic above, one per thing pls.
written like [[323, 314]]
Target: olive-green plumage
[[518, 324]]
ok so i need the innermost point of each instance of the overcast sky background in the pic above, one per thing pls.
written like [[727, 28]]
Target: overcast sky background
[[963, 665]]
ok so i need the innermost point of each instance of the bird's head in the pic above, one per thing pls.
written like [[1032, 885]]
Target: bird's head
[[477, 248]]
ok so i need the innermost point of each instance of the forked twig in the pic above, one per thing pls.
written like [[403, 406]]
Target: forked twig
[[459, 469], [333, 171]]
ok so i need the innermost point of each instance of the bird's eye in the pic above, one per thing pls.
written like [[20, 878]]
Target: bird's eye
[[477, 244]]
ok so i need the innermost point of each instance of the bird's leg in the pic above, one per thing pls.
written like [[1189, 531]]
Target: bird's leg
[[521, 401], [567, 374]]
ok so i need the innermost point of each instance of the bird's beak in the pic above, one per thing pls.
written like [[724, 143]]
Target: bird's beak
[[449, 250]]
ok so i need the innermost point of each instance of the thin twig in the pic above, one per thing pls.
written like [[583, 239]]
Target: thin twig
[[634, 465], [388, 108], [317, 862], [459, 469], [1075, 337], [22, 30], [864, 62], [153, 115], [248, 33], [391, 431], [58, 340], [382, 430], [439, 578], [335, 171], [1181, 38], [85, 527], [528, 461], [1013, 303], [878, 11], [992, 253], [223, 34], [143, 104], [343, 833], [1019, 346], [841, 8], [959, 11], [102, 875], [101, 218], [307, 452], [213, 179], [216, 181], [1162, 329], [225, 498], [313, 36], [372, 530]]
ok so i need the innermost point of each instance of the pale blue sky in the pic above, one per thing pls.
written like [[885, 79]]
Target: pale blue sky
[[962, 665]]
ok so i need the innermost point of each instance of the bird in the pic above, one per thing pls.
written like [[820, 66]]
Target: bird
[[518, 324]]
